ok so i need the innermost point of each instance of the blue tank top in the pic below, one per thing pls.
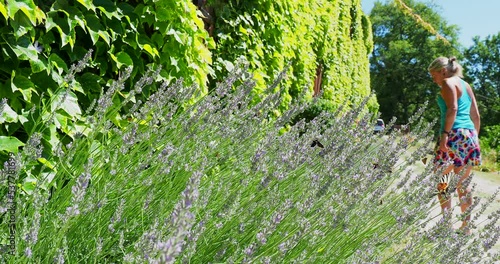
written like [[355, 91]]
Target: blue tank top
[[463, 119]]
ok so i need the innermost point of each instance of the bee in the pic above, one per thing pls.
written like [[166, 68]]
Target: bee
[[377, 166], [317, 143]]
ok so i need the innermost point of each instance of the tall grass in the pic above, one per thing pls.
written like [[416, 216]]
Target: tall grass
[[220, 180]]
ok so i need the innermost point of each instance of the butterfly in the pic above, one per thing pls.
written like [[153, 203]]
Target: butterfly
[[443, 187]]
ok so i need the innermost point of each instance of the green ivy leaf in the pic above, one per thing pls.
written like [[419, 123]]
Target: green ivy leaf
[[38, 65], [23, 48], [61, 121], [91, 82], [211, 43], [173, 62], [23, 85], [50, 135], [3, 10], [76, 86], [10, 144], [115, 27], [105, 36], [67, 101], [58, 63], [108, 8], [87, 4], [28, 7], [29, 185], [8, 115], [151, 50], [21, 25], [77, 127], [76, 17], [122, 59], [177, 35], [95, 28], [63, 26], [23, 117], [157, 39]]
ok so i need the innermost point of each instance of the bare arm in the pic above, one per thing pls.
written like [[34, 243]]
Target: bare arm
[[474, 111], [449, 94]]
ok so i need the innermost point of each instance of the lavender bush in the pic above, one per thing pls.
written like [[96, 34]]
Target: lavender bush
[[221, 180]]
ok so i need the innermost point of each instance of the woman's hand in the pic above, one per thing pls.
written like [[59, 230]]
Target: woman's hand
[[443, 146]]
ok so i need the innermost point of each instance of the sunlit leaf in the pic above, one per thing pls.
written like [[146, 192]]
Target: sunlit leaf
[[8, 115], [105, 36], [10, 144], [152, 51], [27, 7], [94, 28], [23, 85], [47, 163], [76, 86], [173, 62], [50, 135], [77, 128], [122, 59], [58, 63], [176, 34], [37, 65], [3, 10], [29, 186], [108, 8], [60, 121], [23, 48], [87, 4], [67, 101]]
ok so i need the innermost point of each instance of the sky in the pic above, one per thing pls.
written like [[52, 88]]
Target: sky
[[474, 17]]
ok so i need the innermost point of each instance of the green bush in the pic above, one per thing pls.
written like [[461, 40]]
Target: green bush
[[490, 148]]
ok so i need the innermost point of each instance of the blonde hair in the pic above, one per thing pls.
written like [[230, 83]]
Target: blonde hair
[[450, 64]]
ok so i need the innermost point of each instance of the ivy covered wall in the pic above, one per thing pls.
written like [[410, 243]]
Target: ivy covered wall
[[326, 42], [329, 40]]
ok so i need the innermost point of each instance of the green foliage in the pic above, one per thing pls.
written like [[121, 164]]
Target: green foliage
[[492, 135], [40, 39], [490, 148], [268, 34], [403, 50]]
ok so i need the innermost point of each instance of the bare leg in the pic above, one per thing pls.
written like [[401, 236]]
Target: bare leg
[[465, 196]]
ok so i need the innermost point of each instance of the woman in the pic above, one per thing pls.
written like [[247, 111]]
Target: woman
[[459, 144]]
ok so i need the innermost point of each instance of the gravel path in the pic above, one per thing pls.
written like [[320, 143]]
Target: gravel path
[[487, 183]]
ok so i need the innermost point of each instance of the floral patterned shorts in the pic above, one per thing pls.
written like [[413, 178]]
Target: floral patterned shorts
[[463, 149]]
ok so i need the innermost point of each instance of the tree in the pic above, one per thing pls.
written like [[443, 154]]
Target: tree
[[404, 45], [483, 68]]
